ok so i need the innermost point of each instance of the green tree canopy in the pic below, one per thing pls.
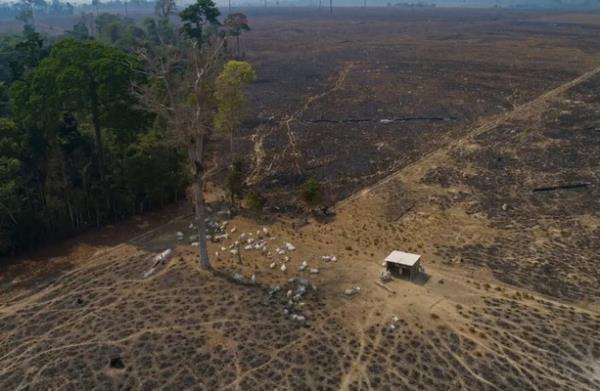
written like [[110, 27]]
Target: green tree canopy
[[76, 149], [86, 78], [312, 191], [230, 94], [236, 23], [231, 108], [18, 55], [199, 17], [11, 182], [120, 31]]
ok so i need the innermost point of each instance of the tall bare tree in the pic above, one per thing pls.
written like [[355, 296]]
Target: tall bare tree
[[165, 8], [181, 93]]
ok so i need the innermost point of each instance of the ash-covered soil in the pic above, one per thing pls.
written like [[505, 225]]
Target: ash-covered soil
[[537, 182], [351, 98]]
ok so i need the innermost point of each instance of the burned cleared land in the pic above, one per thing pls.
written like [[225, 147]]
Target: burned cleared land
[[533, 179], [350, 99], [470, 137]]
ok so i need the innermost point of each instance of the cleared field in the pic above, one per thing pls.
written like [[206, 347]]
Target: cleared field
[[352, 98]]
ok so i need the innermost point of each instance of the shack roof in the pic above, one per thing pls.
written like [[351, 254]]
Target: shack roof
[[402, 258]]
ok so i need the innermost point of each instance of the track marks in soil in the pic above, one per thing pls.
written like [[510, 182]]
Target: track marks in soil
[[286, 123], [258, 140], [356, 371]]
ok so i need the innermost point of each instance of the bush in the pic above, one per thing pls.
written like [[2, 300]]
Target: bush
[[311, 191], [254, 201]]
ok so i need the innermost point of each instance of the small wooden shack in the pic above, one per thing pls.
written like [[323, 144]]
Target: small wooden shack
[[403, 264]]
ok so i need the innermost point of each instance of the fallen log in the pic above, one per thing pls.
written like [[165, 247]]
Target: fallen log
[[382, 121], [561, 187], [339, 121]]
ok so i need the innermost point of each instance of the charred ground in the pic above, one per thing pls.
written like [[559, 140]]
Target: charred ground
[[325, 85]]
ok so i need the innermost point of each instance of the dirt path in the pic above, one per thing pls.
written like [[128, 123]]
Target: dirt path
[[339, 83], [525, 110], [258, 139]]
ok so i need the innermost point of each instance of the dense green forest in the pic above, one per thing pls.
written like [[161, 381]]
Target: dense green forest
[[94, 123]]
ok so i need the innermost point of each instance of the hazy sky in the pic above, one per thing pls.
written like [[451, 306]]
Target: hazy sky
[[342, 3]]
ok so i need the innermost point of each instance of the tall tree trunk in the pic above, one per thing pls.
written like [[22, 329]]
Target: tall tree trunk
[[231, 149], [99, 147], [232, 172], [237, 39], [201, 224], [97, 207], [98, 135], [67, 198], [196, 154]]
